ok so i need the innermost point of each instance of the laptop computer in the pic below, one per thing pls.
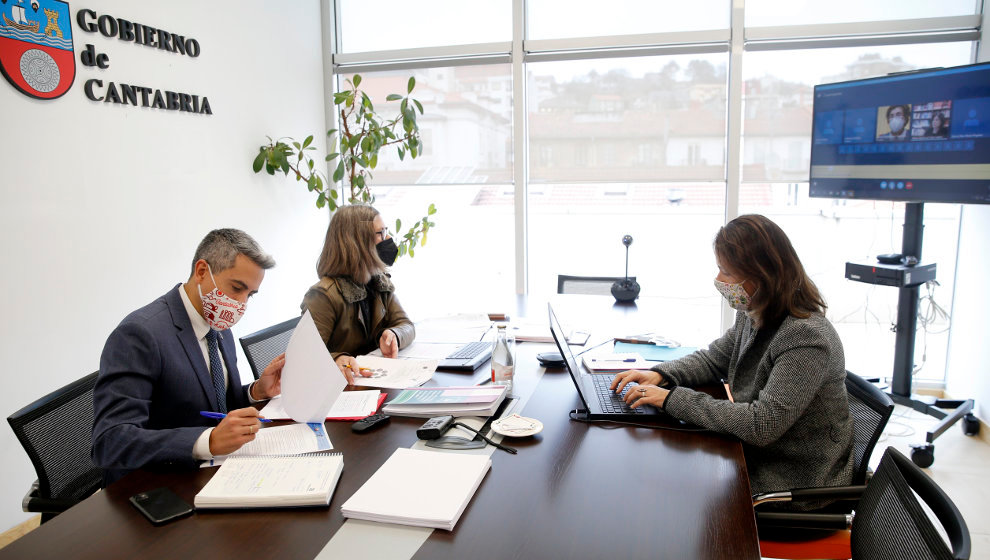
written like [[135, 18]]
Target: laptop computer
[[600, 403], [469, 356]]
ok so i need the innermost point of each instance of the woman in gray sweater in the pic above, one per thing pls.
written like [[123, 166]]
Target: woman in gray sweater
[[781, 362]]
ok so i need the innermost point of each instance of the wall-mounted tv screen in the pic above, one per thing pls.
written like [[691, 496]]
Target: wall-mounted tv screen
[[917, 137]]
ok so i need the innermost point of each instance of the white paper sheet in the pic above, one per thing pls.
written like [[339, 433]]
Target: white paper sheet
[[389, 373], [311, 381], [424, 350], [350, 404], [460, 328], [282, 440]]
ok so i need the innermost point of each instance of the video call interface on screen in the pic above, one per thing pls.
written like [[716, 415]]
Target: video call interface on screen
[[922, 136]]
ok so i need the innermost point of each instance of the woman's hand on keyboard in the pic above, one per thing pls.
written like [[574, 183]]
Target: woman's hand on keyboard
[[635, 375]]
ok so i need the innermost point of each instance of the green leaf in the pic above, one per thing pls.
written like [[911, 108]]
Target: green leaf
[[412, 253], [259, 161], [333, 194], [297, 145], [321, 201], [402, 154], [432, 210], [338, 173], [398, 225], [412, 84], [356, 80], [331, 131], [339, 98], [308, 141], [393, 97], [311, 183], [402, 249], [374, 161], [419, 106], [285, 166]]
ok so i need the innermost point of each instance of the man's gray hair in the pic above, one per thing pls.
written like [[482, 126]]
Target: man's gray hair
[[220, 248]]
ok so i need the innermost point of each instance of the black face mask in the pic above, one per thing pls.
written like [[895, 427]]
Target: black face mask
[[387, 251]]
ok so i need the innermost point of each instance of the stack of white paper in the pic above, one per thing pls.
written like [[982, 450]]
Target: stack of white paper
[[420, 488]]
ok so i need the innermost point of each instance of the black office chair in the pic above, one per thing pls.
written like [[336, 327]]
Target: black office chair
[[57, 434], [262, 347], [593, 285], [889, 520], [870, 409]]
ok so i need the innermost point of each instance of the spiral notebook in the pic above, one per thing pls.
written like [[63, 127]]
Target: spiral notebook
[[274, 481]]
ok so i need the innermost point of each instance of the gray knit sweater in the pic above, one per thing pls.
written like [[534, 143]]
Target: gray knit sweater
[[790, 411]]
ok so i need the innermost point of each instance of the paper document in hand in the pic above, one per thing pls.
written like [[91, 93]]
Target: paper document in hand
[[390, 373], [420, 488], [311, 381], [244, 482], [350, 405], [281, 440], [426, 402]]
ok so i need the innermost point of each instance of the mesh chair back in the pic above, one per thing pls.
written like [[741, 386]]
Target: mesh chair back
[[870, 409], [891, 524], [57, 434], [593, 285], [265, 345]]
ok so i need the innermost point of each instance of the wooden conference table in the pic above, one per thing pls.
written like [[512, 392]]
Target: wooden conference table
[[575, 490]]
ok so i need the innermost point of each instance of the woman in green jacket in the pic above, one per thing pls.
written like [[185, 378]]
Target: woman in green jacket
[[354, 304]]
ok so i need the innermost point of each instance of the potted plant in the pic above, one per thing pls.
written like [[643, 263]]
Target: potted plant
[[355, 146]]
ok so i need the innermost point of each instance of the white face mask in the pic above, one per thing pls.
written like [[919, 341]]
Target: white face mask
[[735, 294], [220, 310], [896, 124]]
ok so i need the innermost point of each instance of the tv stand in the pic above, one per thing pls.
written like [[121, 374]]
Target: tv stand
[[923, 455]]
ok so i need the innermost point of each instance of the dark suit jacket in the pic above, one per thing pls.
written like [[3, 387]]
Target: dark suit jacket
[[153, 383]]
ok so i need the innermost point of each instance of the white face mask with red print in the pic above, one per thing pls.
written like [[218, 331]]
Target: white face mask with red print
[[220, 310]]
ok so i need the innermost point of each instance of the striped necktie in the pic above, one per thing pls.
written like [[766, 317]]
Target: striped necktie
[[216, 369]]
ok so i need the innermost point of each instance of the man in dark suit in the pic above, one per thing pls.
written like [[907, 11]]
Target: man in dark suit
[[173, 358]]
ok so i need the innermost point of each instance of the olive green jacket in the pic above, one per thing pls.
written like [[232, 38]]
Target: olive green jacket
[[334, 305]]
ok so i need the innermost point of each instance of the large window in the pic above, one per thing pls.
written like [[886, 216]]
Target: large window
[[828, 233], [640, 119], [381, 25], [560, 19], [794, 12]]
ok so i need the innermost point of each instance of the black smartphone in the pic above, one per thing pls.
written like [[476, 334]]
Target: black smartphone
[[160, 505]]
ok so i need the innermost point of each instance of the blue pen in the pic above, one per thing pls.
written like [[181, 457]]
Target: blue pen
[[221, 416], [630, 360]]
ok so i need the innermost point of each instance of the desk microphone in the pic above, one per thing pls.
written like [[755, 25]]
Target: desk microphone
[[626, 289]]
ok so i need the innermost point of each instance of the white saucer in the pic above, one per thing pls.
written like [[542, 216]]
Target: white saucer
[[517, 426]]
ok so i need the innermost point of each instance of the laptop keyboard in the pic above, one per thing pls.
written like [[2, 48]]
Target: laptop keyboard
[[470, 350], [612, 402]]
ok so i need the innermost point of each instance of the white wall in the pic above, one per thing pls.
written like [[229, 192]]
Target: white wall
[[967, 372], [103, 205]]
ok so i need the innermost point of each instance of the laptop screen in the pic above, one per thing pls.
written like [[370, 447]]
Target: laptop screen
[[565, 352]]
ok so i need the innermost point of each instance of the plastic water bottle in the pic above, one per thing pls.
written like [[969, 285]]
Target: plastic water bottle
[[504, 359]]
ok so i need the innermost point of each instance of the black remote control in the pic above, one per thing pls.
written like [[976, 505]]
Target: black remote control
[[371, 422]]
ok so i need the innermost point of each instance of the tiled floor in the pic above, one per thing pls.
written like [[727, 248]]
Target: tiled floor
[[961, 468]]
